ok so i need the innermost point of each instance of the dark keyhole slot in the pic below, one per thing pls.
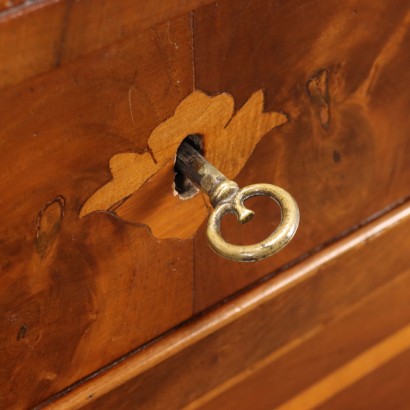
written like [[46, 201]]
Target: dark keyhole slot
[[266, 219], [185, 188]]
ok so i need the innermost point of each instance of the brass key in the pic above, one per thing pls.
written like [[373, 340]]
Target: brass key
[[227, 197]]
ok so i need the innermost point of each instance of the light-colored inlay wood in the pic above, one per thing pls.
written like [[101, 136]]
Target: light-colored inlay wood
[[351, 372], [147, 178]]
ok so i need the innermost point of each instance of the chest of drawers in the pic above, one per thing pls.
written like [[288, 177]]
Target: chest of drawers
[[110, 295]]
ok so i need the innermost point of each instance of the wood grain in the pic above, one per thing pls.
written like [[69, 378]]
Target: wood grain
[[342, 78], [82, 83], [38, 37], [29, 44], [77, 294], [283, 324]]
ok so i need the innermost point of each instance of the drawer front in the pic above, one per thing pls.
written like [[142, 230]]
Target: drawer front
[[334, 154], [332, 333], [79, 292]]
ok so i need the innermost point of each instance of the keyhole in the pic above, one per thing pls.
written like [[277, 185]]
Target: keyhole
[[185, 188]]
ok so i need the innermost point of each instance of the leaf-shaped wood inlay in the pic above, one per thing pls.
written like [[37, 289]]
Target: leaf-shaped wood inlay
[[146, 180]]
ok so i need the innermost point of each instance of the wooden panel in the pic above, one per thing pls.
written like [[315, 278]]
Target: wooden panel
[[338, 303], [41, 36], [76, 294], [339, 70]]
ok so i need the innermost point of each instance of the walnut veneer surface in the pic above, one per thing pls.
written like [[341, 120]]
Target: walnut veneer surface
[[83, 81]]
